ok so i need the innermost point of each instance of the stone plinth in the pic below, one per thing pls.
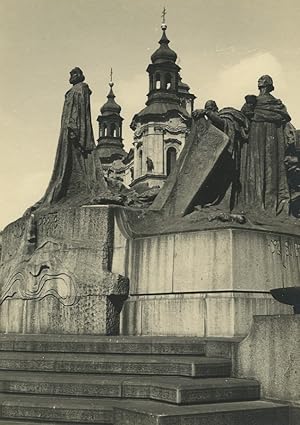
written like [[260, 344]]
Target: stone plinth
[[204, 283], [271, 354], [55, 274]]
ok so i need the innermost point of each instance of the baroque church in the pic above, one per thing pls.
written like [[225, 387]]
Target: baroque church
[[160, 129]]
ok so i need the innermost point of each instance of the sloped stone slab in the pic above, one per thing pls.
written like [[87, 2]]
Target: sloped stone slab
[[195, 163]]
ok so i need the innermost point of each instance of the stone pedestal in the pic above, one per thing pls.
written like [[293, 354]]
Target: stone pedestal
[[204, 283], [55, 274]]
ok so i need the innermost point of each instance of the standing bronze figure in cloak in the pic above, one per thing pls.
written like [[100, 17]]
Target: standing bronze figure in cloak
[[77, 177], [264, 180]]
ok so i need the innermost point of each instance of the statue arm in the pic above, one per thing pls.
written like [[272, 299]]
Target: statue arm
[[212, 116], [198, 113], [216, 120]]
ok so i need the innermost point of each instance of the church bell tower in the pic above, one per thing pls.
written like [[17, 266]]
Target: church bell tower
[[110, 143], [160, 129]]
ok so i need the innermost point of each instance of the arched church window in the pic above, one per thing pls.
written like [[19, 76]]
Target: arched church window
[[171, 159], [168, 81], [141, 161], [113, 130], [152, 82], [104, 130], [157, 81]]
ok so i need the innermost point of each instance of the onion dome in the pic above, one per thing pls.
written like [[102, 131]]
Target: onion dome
[[164, 53], [110, 107]]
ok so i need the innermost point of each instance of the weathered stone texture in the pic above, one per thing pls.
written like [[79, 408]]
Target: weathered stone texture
[[61, 280], [271, 354], [204, 283]]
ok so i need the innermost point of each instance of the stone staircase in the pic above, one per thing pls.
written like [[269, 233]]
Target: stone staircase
[[59, 379]]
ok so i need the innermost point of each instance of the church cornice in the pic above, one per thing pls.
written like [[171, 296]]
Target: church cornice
[[172, 141], [110, 117], [160, 128], [176, 130], [110, 141]]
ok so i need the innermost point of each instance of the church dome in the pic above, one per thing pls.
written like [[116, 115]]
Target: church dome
[[111, 106], [164, 53]]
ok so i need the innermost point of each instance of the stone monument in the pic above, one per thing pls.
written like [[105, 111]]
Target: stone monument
[[201, 259], [218, 235], [55, 273]]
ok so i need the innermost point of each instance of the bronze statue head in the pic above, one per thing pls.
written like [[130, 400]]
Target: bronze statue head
[[266, 82], [76, 76], [211, 105]]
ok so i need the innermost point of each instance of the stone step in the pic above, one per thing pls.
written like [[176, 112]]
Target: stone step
[[238, 413], [65, 410], [176, 390], [102, 344], [116, 364], [32, 422], [68, 410]]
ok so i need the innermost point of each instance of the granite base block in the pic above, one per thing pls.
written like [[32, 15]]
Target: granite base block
[[204, 283], [209, 260]]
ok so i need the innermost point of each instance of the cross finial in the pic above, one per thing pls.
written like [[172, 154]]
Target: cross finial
[[111, 78], [163, 15]]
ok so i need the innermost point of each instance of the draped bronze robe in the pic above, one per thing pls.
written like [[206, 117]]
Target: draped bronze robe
[[263, 177], [77, 176]]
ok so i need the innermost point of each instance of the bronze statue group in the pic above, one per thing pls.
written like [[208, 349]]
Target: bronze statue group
[[251, 174], [260, 156]]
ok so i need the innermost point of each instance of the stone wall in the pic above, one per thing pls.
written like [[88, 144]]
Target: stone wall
[[271, 354]]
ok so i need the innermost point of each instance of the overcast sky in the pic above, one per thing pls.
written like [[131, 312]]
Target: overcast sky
[[223, 46]]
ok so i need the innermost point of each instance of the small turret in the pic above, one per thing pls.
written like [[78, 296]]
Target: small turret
[[110, 146]]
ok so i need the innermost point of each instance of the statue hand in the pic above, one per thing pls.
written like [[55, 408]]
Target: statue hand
[[208, 112], [198, 113]]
